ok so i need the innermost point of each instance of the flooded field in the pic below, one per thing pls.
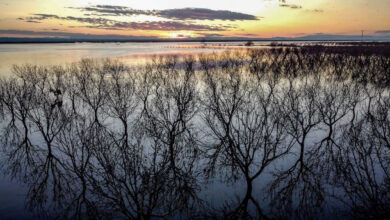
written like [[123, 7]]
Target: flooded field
[[214, 132], [129, 53]]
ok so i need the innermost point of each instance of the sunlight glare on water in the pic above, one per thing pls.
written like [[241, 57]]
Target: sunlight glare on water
[[129, 53]]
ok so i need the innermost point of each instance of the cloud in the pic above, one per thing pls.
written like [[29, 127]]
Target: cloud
[[61, 34], [32, 21], [204, 14], [176, 14], [291, 6], [160, 25], [110, 10], [104, 23], [28, 20], [43, 16]]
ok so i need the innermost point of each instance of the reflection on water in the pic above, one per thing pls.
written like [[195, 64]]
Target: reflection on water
[[129, 53], [271, 133]]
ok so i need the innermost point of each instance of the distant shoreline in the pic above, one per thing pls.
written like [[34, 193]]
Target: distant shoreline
[[55, 41]]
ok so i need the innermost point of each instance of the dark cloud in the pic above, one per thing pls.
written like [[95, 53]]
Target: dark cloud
[[103, 23], [177, 14], [32, 21], [37, 18], [110, 10], [43, 16], [61, 34], [204, 14], [180, 19], [291, 6], [29, 20], [160, 25]]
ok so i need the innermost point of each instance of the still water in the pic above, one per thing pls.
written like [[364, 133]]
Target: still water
[[296, 143], [129, 53], [13, 192]]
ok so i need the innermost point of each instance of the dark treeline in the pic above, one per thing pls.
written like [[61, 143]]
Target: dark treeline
[[301, 132], [364, 63]]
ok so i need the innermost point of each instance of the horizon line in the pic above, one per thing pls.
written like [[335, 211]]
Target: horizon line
[[120, 39]]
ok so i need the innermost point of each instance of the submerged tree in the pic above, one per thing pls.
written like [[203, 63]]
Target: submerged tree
[[246, 132], [100, 139]]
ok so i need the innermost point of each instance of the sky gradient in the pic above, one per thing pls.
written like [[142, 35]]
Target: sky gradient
[[193, 18]]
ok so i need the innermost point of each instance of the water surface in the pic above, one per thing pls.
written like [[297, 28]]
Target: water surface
[[130, 53]]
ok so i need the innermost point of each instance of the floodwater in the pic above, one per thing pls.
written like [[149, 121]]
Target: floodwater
[[129, 53], [13, 192], [308, 141]]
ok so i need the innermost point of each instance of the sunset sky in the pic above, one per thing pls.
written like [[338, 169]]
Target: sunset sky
[[193, 18]]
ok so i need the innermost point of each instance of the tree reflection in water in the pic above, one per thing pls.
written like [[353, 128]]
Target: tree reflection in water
[[297, 129]]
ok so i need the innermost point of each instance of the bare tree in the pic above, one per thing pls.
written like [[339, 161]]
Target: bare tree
[[246, 133], [167, 118], [301, 118], [100, 139]]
